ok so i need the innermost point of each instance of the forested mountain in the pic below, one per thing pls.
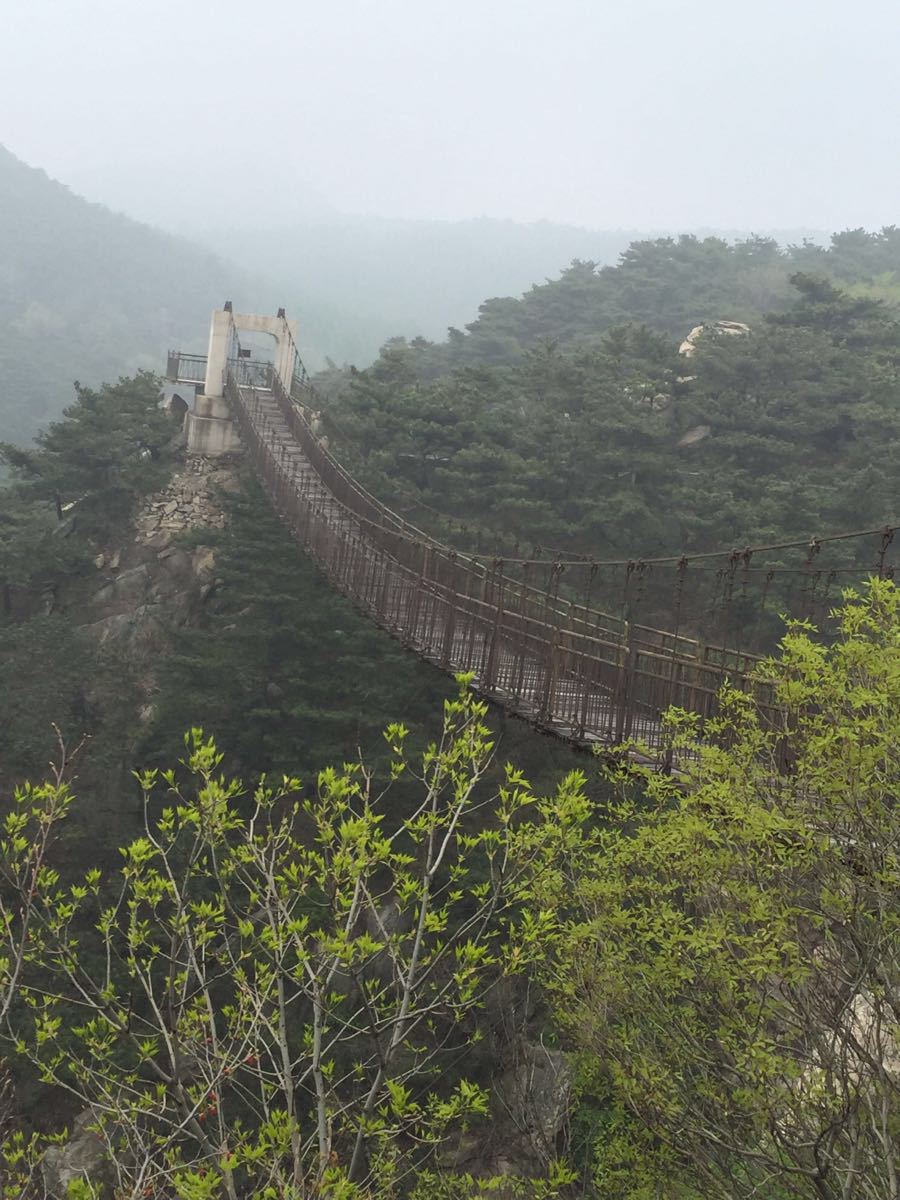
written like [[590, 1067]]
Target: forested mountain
[[381, 277], [569, 418], [565, 420], [632, 984], [87, 294], [669, 284]]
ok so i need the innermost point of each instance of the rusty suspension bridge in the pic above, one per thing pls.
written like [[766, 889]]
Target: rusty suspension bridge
[[588, 676]]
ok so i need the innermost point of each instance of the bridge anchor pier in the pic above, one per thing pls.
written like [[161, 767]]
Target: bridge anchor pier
[[209, 427]]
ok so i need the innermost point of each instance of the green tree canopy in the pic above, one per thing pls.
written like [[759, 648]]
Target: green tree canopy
[[103, 453], [728, 952], [268, 997]]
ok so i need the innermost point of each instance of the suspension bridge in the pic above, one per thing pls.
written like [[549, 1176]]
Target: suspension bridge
[[534, 641]]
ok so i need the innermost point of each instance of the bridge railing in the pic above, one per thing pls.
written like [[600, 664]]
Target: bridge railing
[[185, 368], [294, 409], [560, 665], [252, 373], [191, 368]]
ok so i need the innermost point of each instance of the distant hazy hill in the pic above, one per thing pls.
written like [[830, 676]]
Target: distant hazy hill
[[382, 278], [88, 294]]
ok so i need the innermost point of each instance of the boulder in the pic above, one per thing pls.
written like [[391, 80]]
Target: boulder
[[127, 589], [176, 563], [203, 560], [82, 1159], [536, 1093], [140, 632], [693, 436], [158, 540], [688, 347]]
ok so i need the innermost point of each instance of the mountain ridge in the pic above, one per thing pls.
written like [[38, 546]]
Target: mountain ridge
[[90, 294]]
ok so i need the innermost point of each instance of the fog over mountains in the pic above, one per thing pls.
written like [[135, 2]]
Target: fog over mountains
[[88, 294]]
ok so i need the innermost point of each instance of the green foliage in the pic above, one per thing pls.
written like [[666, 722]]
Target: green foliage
[[262, 1000], [507, 449], [268, 986], [730, 960], [69, 494], [56, 683], [104, 454], [45, 666], [35, 549], [558, 420], [20, 1169], [434, 1185], [283, 671], [669, 284]]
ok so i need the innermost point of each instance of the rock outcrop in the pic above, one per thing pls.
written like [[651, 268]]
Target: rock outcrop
[[83, 1158], [149, 585], [534, 1095], [189, 502], [531, 1102], [688, 347], [694, 436]]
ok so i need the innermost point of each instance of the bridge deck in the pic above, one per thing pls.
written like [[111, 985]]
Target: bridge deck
[[566, 671]]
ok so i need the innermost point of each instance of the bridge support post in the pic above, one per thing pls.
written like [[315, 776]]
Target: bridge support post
[[221, 328], [209, 427]]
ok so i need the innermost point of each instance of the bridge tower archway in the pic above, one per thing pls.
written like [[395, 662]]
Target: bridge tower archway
[[208, 426], [225, 329]]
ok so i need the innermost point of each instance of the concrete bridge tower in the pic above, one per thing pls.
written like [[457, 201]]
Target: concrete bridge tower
[[208, 423]]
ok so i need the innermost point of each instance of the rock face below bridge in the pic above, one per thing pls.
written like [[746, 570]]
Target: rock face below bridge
[[152, 582], [190, 501], [532, 1095]]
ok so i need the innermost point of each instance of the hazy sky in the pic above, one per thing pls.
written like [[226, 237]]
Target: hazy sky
[[637, 114]]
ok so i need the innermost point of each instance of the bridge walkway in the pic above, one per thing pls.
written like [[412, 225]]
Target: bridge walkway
[[567, 670]]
